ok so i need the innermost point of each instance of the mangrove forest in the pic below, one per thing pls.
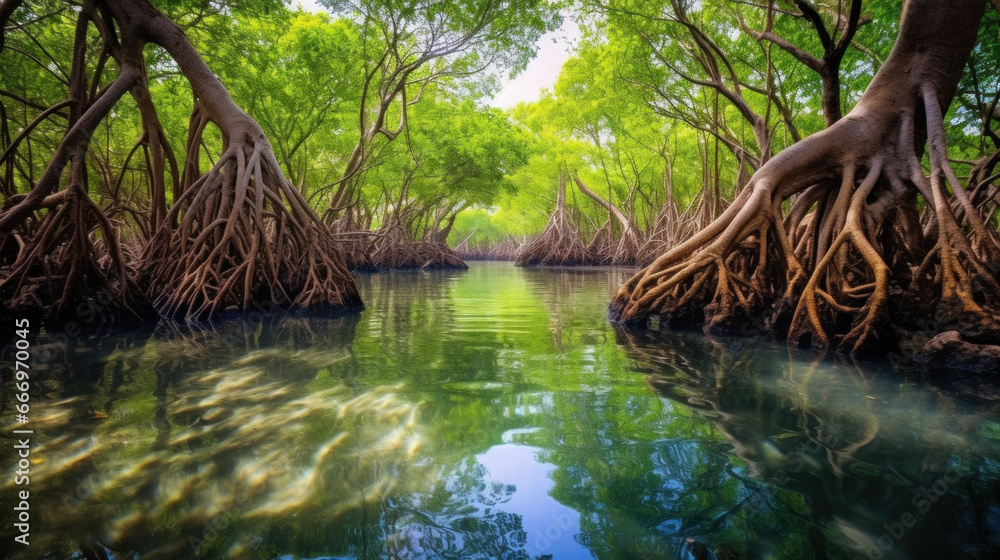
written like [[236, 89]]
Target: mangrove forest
[[499, 279]]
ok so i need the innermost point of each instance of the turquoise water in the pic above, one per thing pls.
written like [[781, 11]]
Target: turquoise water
[[491, 413]]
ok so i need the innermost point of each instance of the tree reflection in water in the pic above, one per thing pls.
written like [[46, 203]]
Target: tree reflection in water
[[244, 440], [492, 414], [824, 468]]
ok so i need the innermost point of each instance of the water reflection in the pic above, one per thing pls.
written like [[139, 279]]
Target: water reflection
[[489, 414], [857, 459], [237, 426]]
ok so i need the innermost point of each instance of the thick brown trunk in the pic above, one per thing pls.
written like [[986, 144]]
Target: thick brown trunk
[[142, 19], [831, 94]]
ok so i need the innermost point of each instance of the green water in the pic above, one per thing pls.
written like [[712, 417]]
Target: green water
[[491, 413]]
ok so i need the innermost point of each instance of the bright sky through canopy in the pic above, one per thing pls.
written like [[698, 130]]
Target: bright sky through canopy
[[542, 71]]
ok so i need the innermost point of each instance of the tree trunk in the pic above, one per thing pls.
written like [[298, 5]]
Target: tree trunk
[[850, 253], [627, 249], [831, 94]]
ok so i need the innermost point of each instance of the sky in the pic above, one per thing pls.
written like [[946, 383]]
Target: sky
[[542, 72]]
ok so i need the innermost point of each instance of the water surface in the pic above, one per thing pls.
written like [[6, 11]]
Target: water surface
[[491, 413]]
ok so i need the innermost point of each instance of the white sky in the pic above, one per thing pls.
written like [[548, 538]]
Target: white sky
[[309, 5], [542, 71]]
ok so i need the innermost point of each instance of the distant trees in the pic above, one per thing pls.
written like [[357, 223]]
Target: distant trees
[[681, 102], [408, 45], [670, 110]]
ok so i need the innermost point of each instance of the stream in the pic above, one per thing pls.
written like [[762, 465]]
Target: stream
[[492, 413]]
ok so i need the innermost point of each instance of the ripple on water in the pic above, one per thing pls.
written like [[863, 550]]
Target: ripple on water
[[494, 413]]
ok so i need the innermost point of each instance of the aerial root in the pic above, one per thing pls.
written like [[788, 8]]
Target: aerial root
[[808, 318], [721, 283], [834, 270], [488, 251], [59, 272], [559, 244], [246, 239], [395, 248], [965, 250]]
